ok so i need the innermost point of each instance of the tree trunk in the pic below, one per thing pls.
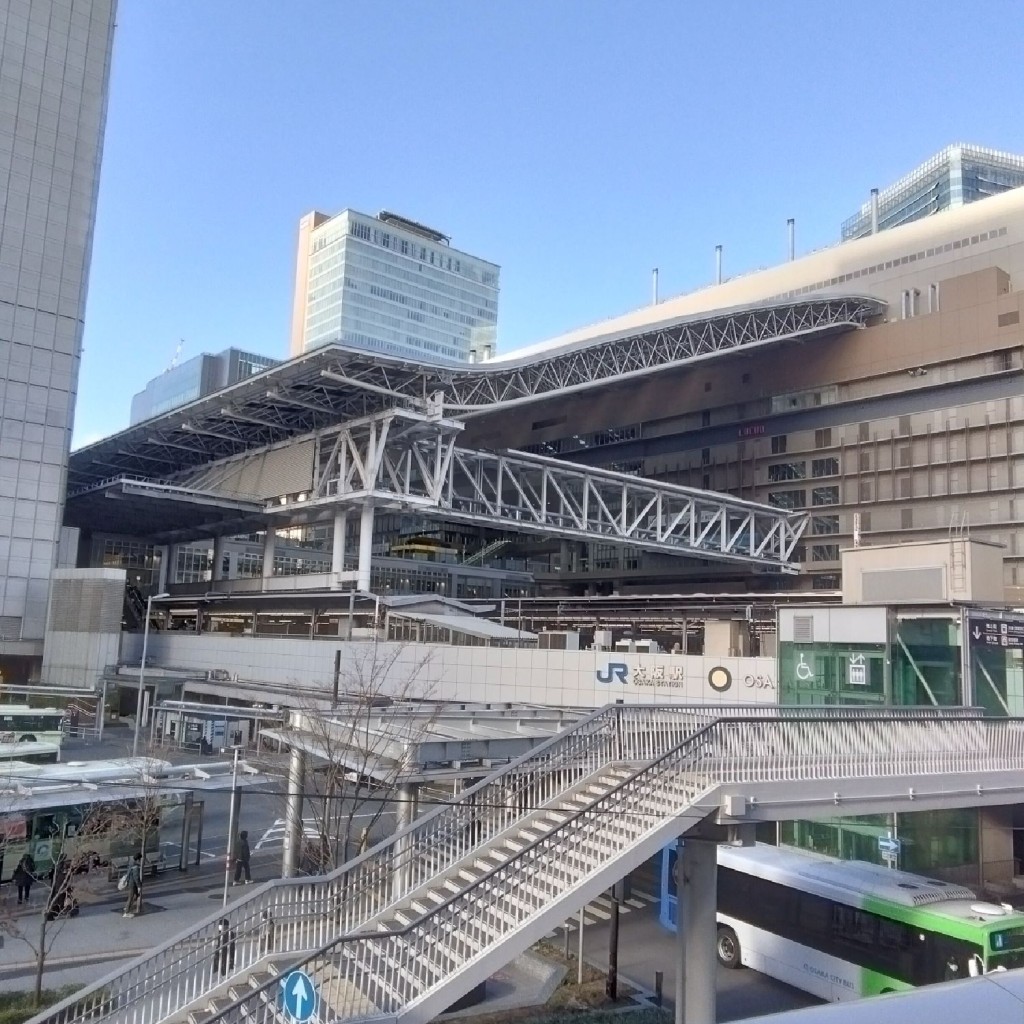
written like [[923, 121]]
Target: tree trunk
[[37, 995]]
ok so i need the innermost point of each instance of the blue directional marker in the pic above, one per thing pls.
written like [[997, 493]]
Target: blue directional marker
[[298, 995]]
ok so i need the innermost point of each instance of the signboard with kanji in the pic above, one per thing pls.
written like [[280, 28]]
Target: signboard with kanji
[[1006, 633]]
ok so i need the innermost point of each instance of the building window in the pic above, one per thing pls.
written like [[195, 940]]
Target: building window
[[788, 499], [705, 418], [864, 492], [823, 438], [787, 471], [824, 552], [825, 581], [779, 444], [906, 518], [864, 462], [904, 425], [825, 496], [824, 524], [705, 456], [824, 467], [864, 432]]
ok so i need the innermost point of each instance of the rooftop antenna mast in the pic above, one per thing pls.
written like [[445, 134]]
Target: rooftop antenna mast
[[177, 355]]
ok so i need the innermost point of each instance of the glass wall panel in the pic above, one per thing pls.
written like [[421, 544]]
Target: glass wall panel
[[926, 662]]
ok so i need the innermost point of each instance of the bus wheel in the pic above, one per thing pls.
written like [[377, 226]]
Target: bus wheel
[[728, 948]]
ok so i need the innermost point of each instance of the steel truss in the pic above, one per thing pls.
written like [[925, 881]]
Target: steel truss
[[402, 459], [332, 384]]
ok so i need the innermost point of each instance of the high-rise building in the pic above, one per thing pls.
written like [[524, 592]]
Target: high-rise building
[[391, 285], [196, 378], [53, 94], [957, 175]]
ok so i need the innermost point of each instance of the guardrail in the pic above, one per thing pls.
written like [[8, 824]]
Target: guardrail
[[310, 913]]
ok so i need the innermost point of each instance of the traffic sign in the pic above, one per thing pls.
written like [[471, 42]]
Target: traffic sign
[[888, 846], [1006, 633], [298, 995]]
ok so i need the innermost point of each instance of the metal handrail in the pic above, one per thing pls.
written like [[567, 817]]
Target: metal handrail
[[308, 914], [726, 751]]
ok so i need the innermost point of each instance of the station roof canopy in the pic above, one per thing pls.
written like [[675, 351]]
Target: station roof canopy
[[332, 384]]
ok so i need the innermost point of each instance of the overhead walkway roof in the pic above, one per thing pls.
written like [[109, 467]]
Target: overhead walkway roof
[[332, 384]]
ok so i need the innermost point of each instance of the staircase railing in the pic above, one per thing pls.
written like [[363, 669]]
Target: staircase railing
[[294, 916], [402, 965]]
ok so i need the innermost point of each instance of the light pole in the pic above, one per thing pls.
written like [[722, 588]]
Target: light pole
[[142, 669], [228, 858]]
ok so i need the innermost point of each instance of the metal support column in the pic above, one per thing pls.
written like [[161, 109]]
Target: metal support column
[[217, 569], [269, 543], [696, 930], [338, 550], [164, 571], [293, 830], [365, 548], [405, 814]]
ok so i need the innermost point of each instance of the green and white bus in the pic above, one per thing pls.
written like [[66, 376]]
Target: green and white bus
[[20, 723], [845, 929]]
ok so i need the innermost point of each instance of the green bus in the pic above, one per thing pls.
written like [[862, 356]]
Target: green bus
[[845, 929]]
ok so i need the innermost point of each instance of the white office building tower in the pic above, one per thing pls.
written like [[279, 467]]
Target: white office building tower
[[54, 74], [387, 284]]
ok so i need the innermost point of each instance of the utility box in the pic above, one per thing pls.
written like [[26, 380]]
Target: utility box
[[726, 638], [556, 640]]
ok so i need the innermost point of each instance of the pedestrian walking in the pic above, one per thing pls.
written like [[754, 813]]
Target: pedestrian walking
[[132, 883], [242, 858], [24, 876]]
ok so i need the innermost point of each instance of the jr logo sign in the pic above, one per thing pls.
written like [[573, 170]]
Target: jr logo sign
[[615, 672]]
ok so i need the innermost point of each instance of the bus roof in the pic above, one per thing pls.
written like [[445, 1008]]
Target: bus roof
[[27, 709], [20, 778], [853, 881]]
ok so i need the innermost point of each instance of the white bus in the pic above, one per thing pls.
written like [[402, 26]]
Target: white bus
[[21, 724], [845, 929]]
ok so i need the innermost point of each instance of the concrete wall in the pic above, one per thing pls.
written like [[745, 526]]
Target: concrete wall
[[438, 672]]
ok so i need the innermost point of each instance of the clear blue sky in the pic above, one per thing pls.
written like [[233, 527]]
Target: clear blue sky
[[577, 143]]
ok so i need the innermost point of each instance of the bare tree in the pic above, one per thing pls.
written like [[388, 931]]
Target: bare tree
[[358, 750]]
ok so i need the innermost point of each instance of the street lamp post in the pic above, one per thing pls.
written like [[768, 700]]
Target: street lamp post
[[142, 669], [228, 858]]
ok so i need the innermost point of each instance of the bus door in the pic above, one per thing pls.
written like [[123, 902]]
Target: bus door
[[14, 842], [943, 958]]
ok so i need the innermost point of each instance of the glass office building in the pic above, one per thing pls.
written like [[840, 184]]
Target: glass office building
[[388, 284], [196, 378], [53, 91], [958, 175]]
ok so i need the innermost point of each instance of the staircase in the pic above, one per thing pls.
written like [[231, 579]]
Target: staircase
[[411, 926], [478, 557]]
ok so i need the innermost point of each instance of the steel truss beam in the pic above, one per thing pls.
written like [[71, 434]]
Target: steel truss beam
[[333, 384], [402, 459]]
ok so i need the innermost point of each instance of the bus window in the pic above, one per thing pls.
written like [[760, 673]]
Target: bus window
[[13, 828]]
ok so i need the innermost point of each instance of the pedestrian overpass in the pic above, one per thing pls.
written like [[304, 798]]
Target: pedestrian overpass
[[414, 924]]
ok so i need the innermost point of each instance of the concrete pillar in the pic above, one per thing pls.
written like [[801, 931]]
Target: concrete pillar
[[365, 547], [269, 543], [163, 574], [696, 931], [217, 569], [995, 846], [293, 832], [405, 813], [338, 551]]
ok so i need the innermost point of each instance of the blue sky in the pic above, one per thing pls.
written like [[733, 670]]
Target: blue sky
[[577, 143]]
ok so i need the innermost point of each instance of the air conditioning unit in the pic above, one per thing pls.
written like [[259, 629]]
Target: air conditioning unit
[[558, 641]]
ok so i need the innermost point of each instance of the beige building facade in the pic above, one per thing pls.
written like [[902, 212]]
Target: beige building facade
[[910, 429]]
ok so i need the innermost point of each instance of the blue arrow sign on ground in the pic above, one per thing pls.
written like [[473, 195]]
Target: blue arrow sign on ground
[[298, 995]]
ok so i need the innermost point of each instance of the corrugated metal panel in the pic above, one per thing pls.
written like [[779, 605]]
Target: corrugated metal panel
[[285, 470], [86, 606]]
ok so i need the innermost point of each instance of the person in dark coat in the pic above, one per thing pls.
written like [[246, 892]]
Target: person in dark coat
[[242, 858], [133, 879], [24, 876]]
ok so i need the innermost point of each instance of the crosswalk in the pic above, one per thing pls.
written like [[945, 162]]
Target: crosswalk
[[600, 910]]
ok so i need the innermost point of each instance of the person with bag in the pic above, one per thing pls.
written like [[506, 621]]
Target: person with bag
[[24, 876], [132, 884]]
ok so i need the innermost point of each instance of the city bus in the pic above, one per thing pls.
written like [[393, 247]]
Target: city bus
[[20, 723], [841, 930], [97, 814], [29, 752]]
